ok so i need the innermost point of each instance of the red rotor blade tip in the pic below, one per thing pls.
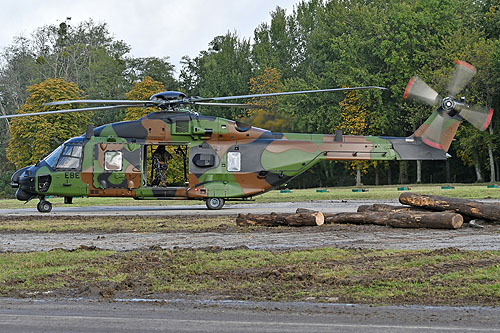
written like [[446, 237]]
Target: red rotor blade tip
[[408, 87]]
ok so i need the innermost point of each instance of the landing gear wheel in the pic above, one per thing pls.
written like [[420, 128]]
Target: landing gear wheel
[[215, 203], [44, 206]]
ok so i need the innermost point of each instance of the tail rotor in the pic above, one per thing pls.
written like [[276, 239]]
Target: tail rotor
[[438, 131]]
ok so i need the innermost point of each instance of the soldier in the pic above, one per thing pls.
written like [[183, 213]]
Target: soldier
[[160, 166]]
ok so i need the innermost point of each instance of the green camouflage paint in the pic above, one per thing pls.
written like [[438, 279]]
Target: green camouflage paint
[[227, 159]]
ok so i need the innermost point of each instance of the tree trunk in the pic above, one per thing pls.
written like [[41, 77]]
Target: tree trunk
[[403, 172], [358, 176], [447, 170], [471, 208], [492, 158], [310, 218], [477, 167], [389, 174], [377, 176], [2, 110], [419, 171], [402, 219], [497, 167]]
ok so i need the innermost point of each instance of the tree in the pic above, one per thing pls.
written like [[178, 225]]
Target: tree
[[223, 70], [269, 117], [355, 121], [143, 90], [84, 53], [159, 69], [33, 137]]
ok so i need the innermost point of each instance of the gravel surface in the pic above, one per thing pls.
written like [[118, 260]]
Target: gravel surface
[[343, 236]]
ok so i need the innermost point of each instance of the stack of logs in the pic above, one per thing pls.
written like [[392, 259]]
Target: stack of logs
[[422, 211]]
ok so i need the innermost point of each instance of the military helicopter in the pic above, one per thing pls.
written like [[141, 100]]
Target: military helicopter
[[224, 160]]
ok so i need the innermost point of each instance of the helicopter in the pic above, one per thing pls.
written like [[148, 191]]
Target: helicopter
[[223, 160]]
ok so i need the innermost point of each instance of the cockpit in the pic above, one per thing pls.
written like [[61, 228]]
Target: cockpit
[[68, 156]]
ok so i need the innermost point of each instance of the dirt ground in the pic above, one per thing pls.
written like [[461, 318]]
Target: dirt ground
[[230, 236]]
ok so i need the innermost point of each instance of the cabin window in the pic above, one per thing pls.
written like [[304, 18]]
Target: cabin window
[[70, 157], [234, 161], [204, 160], [113, 160]]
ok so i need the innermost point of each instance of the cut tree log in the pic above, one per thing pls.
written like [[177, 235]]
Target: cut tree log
[[470, 208], [393, 208], [401, 219], [388, 208], [311, 218]]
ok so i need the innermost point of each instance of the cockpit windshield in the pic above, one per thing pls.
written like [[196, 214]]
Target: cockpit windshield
[[67, 156], [51, 159]]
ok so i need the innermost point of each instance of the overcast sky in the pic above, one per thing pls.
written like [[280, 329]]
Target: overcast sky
[[151, 27]]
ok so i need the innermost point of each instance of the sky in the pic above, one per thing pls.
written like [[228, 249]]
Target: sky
[[151, 27]]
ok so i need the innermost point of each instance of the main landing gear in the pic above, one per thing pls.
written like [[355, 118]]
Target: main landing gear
[[44, 206], [215, 203]]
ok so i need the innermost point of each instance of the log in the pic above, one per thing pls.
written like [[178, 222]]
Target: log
[[469, 208], [387, 208], [393, 208], [357, 218], [267, 220], [311, 218], [432, 220], [305, 219], [401, 219]]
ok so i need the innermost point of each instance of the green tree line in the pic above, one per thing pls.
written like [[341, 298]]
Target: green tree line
[[320, 44]]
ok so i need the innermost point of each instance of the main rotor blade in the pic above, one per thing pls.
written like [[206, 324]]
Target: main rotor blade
[[105, 101], [438, 131], [478, 116], [462, 74], [69, 110], [231, 105], [202, 99], [418, 90]]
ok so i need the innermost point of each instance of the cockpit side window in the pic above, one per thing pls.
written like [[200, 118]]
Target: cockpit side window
[[70, 157]]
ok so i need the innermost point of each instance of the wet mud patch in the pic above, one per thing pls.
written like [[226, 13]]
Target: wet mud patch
[[432, 277]]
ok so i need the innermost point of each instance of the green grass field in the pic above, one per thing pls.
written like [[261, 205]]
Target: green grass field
[[471, 191], [438, 277]]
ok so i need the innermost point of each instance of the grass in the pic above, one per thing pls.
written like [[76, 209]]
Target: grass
[[439, 277], [110, 224], [471, 191]]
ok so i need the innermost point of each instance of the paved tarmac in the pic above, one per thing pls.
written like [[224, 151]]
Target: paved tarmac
[[326, 206], [20, 315]]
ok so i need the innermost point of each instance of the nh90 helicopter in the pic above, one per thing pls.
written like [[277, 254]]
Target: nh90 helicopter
[[223, 159]]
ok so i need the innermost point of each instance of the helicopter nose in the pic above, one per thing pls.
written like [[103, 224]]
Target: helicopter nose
[[24, 180]]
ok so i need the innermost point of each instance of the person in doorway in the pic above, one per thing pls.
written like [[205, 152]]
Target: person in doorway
[[160, 166]]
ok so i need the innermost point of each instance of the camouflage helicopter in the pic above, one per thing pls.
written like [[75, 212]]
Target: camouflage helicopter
[[224, 160]]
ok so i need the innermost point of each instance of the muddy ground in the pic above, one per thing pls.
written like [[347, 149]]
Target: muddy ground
[[229, 236]]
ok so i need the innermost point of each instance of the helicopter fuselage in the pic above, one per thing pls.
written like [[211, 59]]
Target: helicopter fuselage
[[223, 159]]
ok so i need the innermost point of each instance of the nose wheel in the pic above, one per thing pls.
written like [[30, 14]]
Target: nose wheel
[[215, 203], [44, 206]]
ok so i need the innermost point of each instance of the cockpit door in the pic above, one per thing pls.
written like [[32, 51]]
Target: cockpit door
[[117, 165]]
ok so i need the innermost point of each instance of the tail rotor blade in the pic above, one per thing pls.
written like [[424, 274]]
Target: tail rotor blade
[[463, 73], [438, 131], [418, 90], [478, 116]]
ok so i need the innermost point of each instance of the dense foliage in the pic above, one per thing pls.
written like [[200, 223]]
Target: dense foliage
[[320, 44]]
